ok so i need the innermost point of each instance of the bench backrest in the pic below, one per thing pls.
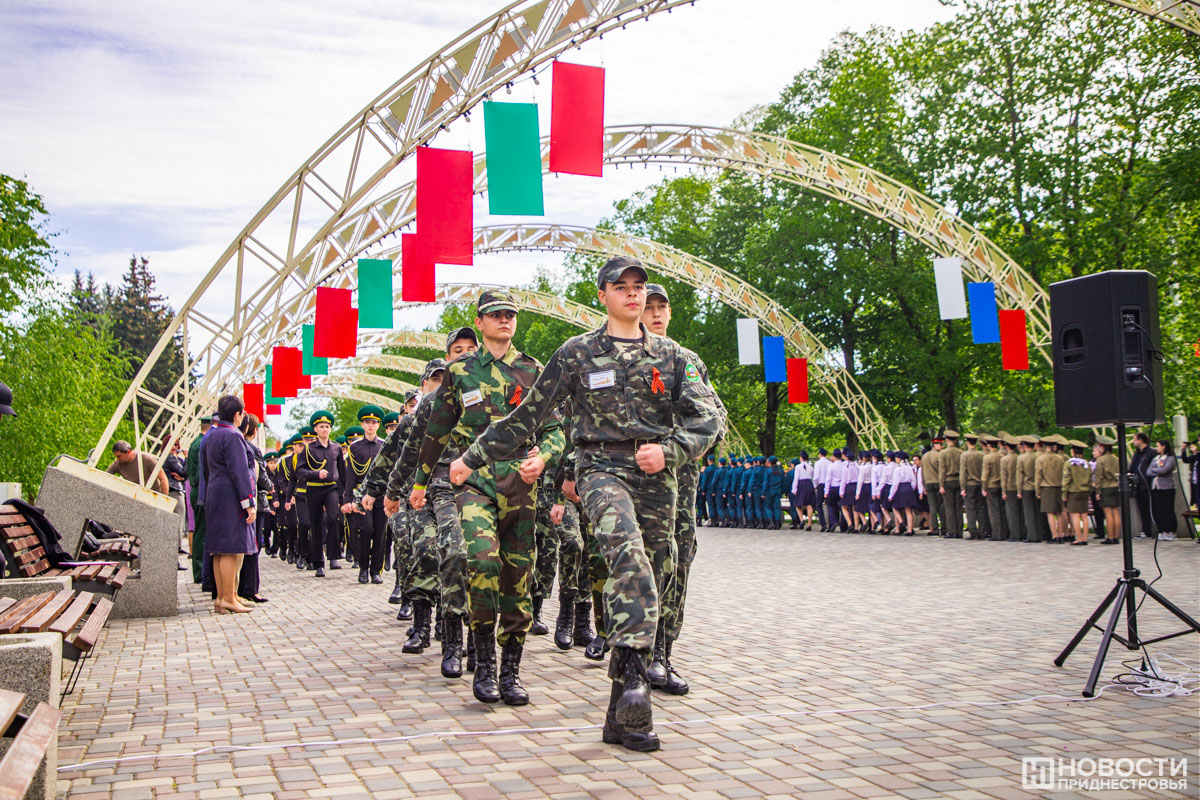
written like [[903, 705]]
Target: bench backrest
[[21, 546], [20, 764]]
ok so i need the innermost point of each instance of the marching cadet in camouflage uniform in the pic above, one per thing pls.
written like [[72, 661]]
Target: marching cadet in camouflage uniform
[[497, 503], [656, 318], [642, 410], [436, 524], [545, 536], [573, 625]]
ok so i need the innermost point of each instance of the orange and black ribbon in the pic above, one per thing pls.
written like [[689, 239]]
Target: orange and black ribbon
[[516, 398], [656, 384]]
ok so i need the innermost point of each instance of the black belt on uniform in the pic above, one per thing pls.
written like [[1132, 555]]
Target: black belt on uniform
[[627, 446]]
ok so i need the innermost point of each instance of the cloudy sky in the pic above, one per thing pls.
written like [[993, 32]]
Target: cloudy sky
[[160, 128]]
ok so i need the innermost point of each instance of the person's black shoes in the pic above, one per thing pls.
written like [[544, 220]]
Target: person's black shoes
[[616, 733], [363, 577], [538, 628], [565, 623], [320, 572], [335, 564], [596, 649], [418, 640], [483, 686], [405, 611], [452, 646], [629, 720], [377, 579], [583, 622], [511, 690], [397, 595]]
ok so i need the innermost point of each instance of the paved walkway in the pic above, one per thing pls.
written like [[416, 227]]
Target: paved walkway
[[778, 622]]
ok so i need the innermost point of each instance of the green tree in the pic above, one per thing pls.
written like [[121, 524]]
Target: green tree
[[25, 251]]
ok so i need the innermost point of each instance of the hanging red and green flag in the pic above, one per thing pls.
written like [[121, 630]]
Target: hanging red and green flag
[[416, 274], [286, 361], [252, 399], [797, 380], [445, 185], [576, 119], [269, 390], [514, 159], [312, 365], [375, 293]]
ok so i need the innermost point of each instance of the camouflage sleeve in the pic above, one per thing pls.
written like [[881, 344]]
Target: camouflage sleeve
[[375, 481], [699, 416], [506, 435], [407, 462], [552, 441], [443, 417]]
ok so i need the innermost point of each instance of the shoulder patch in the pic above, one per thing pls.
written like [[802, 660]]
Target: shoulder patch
[[691, 373]]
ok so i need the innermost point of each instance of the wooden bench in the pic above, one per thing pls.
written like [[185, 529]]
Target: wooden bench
[[76, 616], [32, 736], [26, 559]]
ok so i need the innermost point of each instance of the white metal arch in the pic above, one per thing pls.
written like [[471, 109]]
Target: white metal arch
[[297, 240], [1183, 14], [351, 393]]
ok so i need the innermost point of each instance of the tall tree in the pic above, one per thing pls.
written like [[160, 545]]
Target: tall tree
[[25, 251]]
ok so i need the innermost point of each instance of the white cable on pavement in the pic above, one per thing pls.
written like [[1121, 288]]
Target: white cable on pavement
[[1175, 682]]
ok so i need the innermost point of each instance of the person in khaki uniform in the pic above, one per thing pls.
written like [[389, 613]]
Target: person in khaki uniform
[[1076, 486], [931, 475], [1048, 474], [1014, 527], [1027, 488], [970, 477], [951, 486], [991, 487], [1106, 480]]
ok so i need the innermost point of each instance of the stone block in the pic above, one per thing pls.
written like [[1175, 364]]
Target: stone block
[[20, 588], [72, 493], [31, 663]]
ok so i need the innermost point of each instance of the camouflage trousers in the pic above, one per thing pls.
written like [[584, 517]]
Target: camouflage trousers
[[685, 546], [451, 549], [498, 510], [401, 544], [424, 571], [558, 547], [633, 520], [595, 572]]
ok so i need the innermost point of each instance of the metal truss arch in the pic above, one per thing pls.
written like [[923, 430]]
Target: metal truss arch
[[411, 366], [350, 393], [1183, 14], [298, 239]]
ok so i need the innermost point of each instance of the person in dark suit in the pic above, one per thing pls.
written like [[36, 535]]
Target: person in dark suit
[[1191, 457], [1139, 483], [230, 503]]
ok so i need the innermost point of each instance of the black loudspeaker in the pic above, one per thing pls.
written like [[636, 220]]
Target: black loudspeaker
[[1107, 361]]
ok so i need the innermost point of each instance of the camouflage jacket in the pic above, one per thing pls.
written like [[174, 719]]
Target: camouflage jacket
[[376, 480], [659, 397], [403, 473], [478, 389]]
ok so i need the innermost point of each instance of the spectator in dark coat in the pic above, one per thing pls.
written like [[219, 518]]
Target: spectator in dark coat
[[230, 502], [1139, 483], [248, 578]]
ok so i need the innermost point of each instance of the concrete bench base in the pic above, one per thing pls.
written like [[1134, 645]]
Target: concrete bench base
[[31, 663]]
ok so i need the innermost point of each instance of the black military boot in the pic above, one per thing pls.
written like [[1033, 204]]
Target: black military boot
[[674, 683], [437, 627], [484, 685], [452, 646], [596, 649], [405, 611], [583, 621], [418, 640], [511, 690], [565, 624], [630, 708], [363, 575], [397, 595], [616, 733], [470, 648], [656, 673], [538, 628]]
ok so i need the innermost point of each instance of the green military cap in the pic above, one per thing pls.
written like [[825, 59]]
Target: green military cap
[[465, 332], [270, 454], [319, 417], [949, 434], [1076, 443], [1102, 439], [657, 289], [370, 412], [614, 268], [355, 432], [434, 366], [340, 440], [392, 417], [495, 300], [307, 432]]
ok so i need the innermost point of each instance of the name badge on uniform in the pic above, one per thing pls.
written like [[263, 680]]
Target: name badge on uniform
[[472, 397], [602, 380]]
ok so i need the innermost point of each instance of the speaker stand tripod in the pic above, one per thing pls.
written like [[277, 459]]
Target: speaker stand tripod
[[1122, 597]]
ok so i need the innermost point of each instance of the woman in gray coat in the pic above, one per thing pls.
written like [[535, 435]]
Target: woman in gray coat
[[1161, 473]]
